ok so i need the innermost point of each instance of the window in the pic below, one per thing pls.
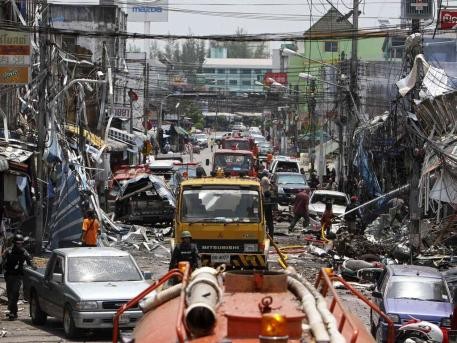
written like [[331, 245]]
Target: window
[[246, 82], [210, 81], [331, 46], [221, 71], [246, 71], [257, 71], [233, 71], [233, 82], [209, 70], [220, 82], [224, 205]]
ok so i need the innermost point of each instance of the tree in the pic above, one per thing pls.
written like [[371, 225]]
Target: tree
[[133, 48], [241, 48]]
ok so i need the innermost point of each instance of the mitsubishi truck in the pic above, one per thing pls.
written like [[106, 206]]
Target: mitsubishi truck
[[225, 217]]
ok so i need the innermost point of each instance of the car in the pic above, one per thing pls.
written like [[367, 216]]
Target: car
[[408, 291], [286, 185], [201, 139], [83, 288], [285, 164], [238, 126], [316, 207], [255, 130], [265, 148], [258, 138]]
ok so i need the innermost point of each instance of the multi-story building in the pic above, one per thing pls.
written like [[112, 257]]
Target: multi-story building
[[235, 75]]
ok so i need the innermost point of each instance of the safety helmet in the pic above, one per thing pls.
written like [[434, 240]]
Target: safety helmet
[[354, 198], [18, 238], [186, 234]]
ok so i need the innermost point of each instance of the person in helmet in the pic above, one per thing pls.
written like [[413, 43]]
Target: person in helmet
[[351, 218], [185, 251], [13, 266], [90, 230]]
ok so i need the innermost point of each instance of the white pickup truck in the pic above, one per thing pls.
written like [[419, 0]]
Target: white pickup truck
[[84, 287]]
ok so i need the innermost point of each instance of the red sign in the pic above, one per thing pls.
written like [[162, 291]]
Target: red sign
[[448, 19], [269, 77]]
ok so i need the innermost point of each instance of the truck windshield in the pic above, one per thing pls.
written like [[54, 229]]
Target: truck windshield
[[426, 289], [232, 161], [236, 143], [102, 269], [220, 205]]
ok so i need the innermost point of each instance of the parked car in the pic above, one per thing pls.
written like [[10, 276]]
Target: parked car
[[238, 126], [255, 130], [285, 164], [201, 139], [286, 185], [406, 291], [317, 203], [84, 287], [258, 138]]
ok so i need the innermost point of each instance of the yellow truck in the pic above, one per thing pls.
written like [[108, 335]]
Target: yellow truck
[[225, 217]]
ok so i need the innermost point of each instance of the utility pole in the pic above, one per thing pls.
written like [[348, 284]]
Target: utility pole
[[354, 84], [41, 127], [312, 117], [146, 98]]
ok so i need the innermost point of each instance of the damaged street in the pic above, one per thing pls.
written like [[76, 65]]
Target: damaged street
[[180, 182]]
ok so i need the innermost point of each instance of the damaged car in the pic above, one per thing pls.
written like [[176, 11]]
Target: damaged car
[[145, 200]]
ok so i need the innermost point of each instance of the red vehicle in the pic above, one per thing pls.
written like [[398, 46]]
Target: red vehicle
[[235, 162], [245, 307], [238, 142]]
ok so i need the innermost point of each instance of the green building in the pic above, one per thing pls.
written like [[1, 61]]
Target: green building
[[323, 58]]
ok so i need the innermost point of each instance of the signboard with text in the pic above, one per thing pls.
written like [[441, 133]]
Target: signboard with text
[[121, 112], [156, 11], [448, 19], [278, 77], [14, 58], [417, 9]]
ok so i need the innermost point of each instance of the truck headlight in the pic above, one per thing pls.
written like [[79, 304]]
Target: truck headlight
[[394, 317], [251, 247], [86, 305], [446, 322]]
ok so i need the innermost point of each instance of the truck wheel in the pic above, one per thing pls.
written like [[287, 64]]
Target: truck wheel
[[36, 313], [68, 323]]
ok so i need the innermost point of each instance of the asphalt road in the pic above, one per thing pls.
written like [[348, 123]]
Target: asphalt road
[[156, 262]]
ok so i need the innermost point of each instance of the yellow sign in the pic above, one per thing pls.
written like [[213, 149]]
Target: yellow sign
[[14, 75]]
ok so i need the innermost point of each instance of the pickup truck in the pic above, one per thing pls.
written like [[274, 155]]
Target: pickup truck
[[84, 287]]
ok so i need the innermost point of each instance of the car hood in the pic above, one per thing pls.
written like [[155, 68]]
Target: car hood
[[108, 290], [292, 185], [320, 207], [425, 310]]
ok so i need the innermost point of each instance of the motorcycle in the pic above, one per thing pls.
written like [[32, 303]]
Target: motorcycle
[[418, 331]]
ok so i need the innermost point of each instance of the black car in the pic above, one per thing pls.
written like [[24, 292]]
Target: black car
[[286, 185]]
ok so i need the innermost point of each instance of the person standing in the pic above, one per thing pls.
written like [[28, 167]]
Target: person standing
[[185, 251], [301, 209], [265, 182], [13, 266], [268, 210], [211, 143], [327, 217], [90, 230]]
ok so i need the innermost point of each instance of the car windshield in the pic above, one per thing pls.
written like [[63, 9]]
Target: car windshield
[[200, 136], [224, 205], [283, 166], [417, 288], [232, 162], [329, 198], [102, 269], [285, 179]]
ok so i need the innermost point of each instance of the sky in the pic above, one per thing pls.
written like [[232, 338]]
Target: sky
[[261, 16]]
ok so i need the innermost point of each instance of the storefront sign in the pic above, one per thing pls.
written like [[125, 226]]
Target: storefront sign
[[157, 11], [448, 19], [14, 58]]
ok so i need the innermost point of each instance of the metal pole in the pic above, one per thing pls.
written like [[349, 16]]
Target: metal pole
[[146, 98], [41, 129], [312, 108], [131, 128]]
